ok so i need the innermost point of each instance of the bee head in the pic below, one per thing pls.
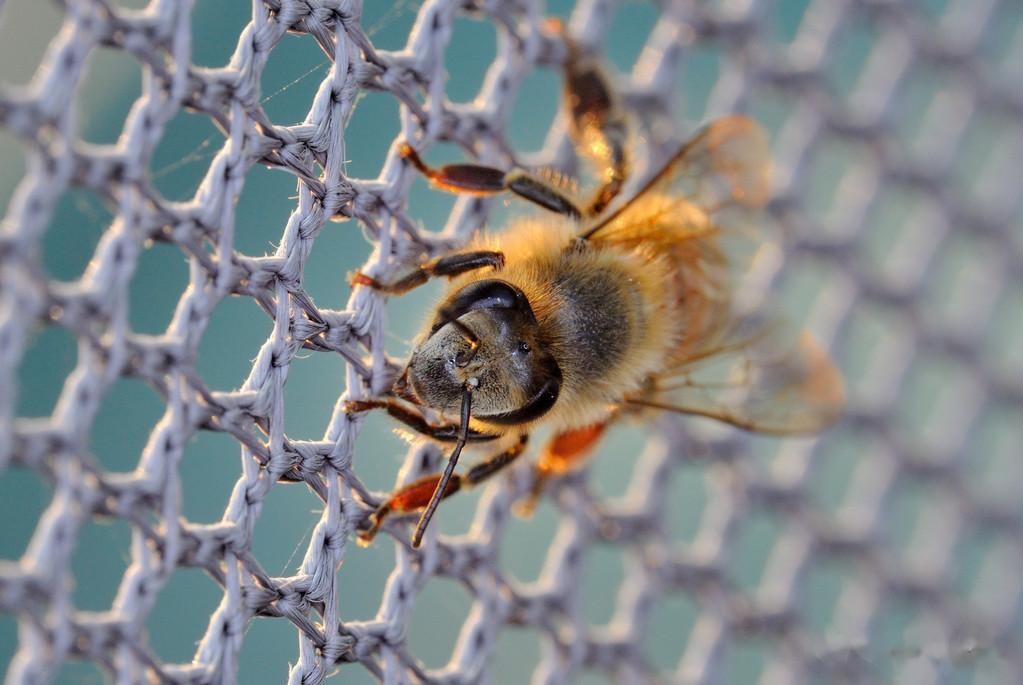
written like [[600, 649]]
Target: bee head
[[486, 336]]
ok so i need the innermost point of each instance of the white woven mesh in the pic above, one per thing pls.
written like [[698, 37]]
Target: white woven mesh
[[898, 131]]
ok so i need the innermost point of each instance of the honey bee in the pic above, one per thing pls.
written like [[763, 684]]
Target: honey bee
[[601, 309]]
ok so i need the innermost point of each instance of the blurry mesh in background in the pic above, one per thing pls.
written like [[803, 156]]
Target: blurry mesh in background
[[179, 482]]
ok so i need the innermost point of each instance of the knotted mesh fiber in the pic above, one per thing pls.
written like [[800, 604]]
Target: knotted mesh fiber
[[887, 550]]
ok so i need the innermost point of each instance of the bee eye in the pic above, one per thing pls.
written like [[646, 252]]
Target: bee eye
[[523, 347]]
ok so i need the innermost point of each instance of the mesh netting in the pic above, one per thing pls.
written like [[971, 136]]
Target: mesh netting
[[898, 136]]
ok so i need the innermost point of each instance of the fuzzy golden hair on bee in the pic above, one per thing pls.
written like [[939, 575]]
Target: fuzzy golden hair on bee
[[555, 178], [601, 309]]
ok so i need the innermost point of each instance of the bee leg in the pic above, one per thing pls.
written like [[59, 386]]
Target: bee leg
[[410, 498], [444, 432], [597, 122], [475, 179], [488, 467], [416, 496], [564, 452], [450, 265]]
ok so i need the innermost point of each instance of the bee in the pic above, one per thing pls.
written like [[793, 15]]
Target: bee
[[601, 309]]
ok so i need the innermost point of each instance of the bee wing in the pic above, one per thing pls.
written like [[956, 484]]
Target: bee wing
[[722, 170], [737, 363], [759, 374]]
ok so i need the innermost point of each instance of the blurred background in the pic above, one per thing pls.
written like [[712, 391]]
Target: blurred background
[[965, 284]]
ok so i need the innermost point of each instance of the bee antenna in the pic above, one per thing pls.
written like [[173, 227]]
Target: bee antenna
[[439, 491]]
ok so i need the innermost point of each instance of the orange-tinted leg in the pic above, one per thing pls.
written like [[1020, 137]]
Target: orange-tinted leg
[[596, 120], [565, 452], [450, 266], [416, 496], [445, 432], [475, 179]]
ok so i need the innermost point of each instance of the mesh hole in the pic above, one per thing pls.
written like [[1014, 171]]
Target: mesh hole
[[938, 400], [771, 108], [686, 499], [913, 102], [26, 29], [161, 275], [809, 290], [181, 614], [211, 22], [535, 107], [182, 158], [936, 526], [1000, 345], [603, 569], [288, 512], [110, 86], [338, 250], [962, 286], [850, 59], [841, 173], [208, 471], [787, 19], [380, 450], [1002, 44], [744, 660], [901, 513], [267, 636], [820, 592], [79, 219], [351, 674], [369, 569], [876, 347], [751, 547], [902, 230], [668, 629], [997, 588], [389, 24], [437, 618], [834, 466], [590, 677], [515, 655], [972, 551], [374, 117], [50, 355], [81, 673], [99, 561], [936, 10], [631, 25], [264, 205], [613, 464], [468, 56], [991, 145], [701, 67], [24, 496], [408, 314], [560, 8], [526, 542], [993, 468], [287, 95], [234, 333], [122, 426]]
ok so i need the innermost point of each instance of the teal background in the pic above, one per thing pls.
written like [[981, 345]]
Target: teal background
[[211, 463]]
